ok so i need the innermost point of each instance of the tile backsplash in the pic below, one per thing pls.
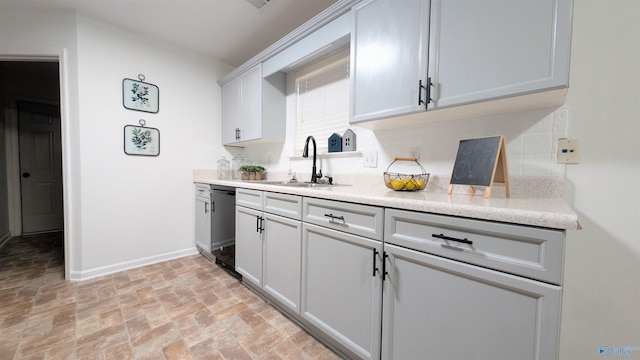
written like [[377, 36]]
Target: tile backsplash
[[531, 137], [531, 141]]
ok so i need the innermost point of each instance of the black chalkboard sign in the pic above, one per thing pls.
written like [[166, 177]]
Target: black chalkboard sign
[[477, 161]]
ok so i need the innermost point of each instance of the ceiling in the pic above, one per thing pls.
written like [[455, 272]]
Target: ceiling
[[232, 31]]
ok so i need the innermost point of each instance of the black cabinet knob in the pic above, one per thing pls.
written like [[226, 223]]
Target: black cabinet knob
[[25, 175]]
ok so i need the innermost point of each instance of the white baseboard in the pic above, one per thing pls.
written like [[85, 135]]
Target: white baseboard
[[4, 238], [132, 264]]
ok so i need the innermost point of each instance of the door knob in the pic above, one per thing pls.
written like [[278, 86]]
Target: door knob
[[26, 175]]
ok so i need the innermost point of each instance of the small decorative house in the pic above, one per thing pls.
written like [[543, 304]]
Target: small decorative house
[[335, 143], [349, 141]]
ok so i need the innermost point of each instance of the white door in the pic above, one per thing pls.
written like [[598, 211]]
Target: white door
[[40, 167]]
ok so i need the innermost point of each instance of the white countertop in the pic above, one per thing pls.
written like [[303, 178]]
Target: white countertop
[[544, 212]]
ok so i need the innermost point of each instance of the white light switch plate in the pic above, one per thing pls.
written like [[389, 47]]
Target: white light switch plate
[[569, 151], [370, 159]]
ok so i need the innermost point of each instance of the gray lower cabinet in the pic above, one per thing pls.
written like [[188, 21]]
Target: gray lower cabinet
[[341, 281], [443, 309], [340, 290], [203, 218], [469, 289], [378, 283], [268, 244], [249, 245]]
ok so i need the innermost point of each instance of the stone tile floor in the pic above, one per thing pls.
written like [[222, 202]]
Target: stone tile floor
[[186, 308]]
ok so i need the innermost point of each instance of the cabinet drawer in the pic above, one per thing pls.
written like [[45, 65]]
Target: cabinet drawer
[[356, 219], [249, 198], [531, 252], [283, 204], [203, 190]]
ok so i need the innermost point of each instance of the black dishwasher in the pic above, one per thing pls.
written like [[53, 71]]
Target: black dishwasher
[[223, 222]]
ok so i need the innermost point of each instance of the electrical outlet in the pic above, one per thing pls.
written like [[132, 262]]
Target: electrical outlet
[[370, 159], [569, 151], [415, 152]]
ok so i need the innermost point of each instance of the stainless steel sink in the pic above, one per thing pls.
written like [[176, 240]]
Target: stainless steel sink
[[307, 184], [302, 184]]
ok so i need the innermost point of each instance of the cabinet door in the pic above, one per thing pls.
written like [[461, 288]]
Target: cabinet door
[[450, 310], [281, 259], [231, 109], [249, 244], [251, 102], [388, 58], [481, 50], [203, 224], [340, 291]]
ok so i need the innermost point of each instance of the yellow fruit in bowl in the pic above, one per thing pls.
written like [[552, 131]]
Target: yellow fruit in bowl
[[387, 183], [411, 185], [398, 184], [420, 184]]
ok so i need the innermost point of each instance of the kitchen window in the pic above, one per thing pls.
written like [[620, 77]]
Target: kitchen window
[[322, 100]]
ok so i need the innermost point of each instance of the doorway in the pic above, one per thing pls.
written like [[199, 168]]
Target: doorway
[[40, 167], [31, 98]]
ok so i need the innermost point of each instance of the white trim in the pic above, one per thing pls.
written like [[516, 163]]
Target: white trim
[[65, 138], [4, 238], [131, 264]]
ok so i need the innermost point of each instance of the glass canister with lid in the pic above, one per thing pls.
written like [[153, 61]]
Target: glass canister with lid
[[236, 163], [223, 169]]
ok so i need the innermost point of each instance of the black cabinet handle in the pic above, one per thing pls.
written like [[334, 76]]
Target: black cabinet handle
[[205, 208], [26, 175], [385, 256], [261, 224], [333, 217], [427, 88], [429, 85], [257, 223], [375, 256], [449, 238]]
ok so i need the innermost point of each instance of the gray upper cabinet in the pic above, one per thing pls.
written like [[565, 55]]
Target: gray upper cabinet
[[389, 46], [253, 108], [482, 50], [409, 56]]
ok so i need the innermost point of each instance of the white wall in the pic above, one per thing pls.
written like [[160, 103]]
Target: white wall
[[121, 210], [602, 267], [137, 209]]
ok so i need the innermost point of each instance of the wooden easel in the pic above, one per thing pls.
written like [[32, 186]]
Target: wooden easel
[[473, 157]]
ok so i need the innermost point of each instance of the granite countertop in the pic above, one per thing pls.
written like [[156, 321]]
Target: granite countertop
[[548, 212]]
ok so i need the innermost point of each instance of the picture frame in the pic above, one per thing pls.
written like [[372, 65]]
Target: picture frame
[[140, 96], [141, 140]]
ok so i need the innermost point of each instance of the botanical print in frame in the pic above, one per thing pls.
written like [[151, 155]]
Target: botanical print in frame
[[140, 140], [140, 96]]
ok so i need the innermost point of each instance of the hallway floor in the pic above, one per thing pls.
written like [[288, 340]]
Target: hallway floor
[[186, 308]]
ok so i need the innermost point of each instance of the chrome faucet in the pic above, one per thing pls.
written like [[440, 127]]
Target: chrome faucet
[[305, 154]]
